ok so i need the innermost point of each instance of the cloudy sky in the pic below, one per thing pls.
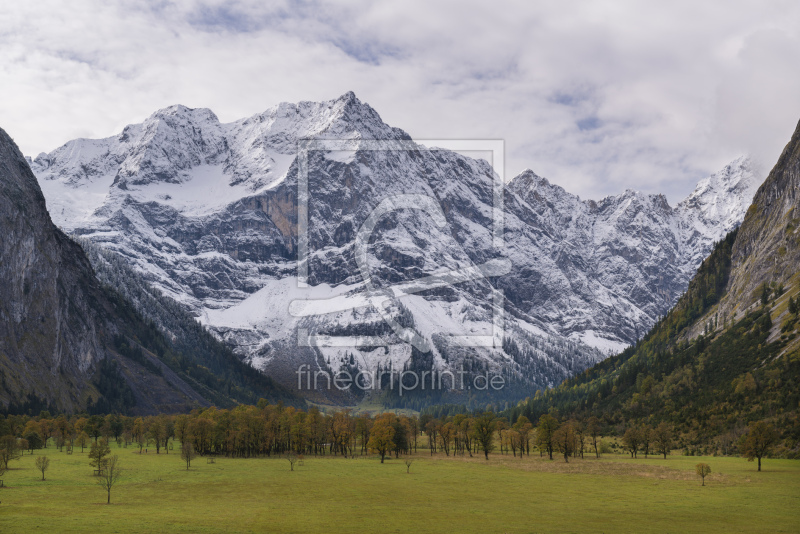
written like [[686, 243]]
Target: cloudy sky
[[597, 96]]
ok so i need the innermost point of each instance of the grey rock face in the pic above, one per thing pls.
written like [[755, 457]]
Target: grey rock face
[[208, 213], [56, 321], [46, 326]]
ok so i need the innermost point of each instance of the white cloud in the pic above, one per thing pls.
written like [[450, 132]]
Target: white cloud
[[597, 96]]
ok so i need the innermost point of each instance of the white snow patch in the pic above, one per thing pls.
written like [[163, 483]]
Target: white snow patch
[[605, 345]]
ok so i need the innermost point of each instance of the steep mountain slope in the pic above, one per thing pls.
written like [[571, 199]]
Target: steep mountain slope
[[606, 270], [729, 352], [208, 214], [66, 341]]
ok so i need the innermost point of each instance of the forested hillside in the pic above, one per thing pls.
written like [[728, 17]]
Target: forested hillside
[[177, 339], [728, 354]]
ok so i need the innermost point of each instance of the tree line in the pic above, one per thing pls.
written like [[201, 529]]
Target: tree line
[[274, 429]]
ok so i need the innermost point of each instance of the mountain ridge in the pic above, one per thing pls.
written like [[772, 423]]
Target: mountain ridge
[[728, 353], [214, 226], [70, 343]]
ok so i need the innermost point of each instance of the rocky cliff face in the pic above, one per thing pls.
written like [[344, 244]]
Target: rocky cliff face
[[56, 321], [606, 270], [767, 247], [46, 295], [208, 213], [728, 353]]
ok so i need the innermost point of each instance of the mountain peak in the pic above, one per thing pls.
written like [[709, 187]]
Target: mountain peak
[[528, 182], [724, 196], [349, 96], [181, 111]]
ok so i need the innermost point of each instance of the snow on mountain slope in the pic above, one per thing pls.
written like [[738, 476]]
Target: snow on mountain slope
[[208, 212]]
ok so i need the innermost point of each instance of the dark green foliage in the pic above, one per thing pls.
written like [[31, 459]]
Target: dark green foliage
[[441, 411], [703, 387], [116, 395], [136, 354], [34, 440], [32, 405], [765, 294], [206, 364]]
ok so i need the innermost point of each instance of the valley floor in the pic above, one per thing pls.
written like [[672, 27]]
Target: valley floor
[[441, 494]]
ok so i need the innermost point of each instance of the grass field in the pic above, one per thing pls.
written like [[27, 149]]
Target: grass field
[[613, 494]]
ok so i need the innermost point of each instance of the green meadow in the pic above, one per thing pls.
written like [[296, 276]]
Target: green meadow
[[440, 494]]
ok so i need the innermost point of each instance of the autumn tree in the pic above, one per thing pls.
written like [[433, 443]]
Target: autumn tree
[[82, 440], [483, 431], [182, 428], [513, 439], [42, 464], [363, 425], [646, 437], [381, 436], [702, 470], [524, 427], [343, 430], [631, 440], [546, 430], [408, 462], [446, 434], [155, 432], [140, 433], [564, 439], [432, 430], [34, 440], [465, 434], [110, 475], [63, 431], [758, 441], [98, 453], [9, 450], [662, 436]]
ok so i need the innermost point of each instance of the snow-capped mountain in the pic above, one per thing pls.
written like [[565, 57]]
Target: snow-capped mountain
[[604, 271], [208, 213]]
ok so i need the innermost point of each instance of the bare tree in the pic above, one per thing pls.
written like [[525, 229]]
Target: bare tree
[[593, 428], [580, 438], [703, 470], [187, 453], [292, 457], [409, 461], [110, 476], [42, 464]]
